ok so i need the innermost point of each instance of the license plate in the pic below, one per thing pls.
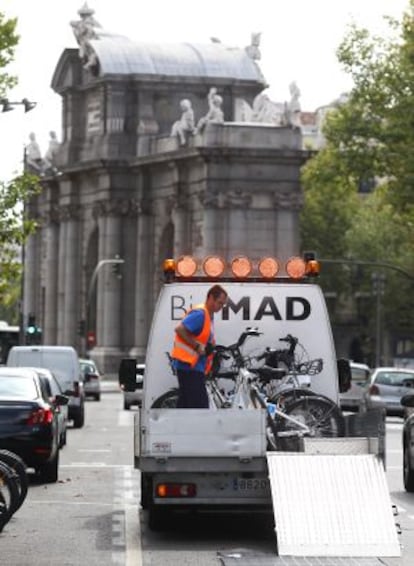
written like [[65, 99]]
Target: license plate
[[252, 485]]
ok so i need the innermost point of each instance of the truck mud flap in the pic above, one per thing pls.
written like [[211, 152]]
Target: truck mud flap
[[329, 505]]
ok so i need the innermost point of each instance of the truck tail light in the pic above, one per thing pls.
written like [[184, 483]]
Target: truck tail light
[[176, 490]]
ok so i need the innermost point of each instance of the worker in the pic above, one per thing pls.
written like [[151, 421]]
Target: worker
[[191, 354]]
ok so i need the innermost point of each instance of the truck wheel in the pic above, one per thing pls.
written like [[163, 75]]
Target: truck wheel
[[146, 490], [408, 471], [157, 517]]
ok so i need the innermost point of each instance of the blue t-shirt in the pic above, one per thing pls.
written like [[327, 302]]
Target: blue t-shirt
[[194, 323]]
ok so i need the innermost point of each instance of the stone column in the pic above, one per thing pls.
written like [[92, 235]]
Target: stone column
[[71, 286], [60, 312], [51, 278], [210, 203], [288, 206], [143, 280], [108, 285], [237, 204]]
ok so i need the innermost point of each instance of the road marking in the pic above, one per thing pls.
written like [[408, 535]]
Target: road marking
[[94, 450], [126, 532], [63, 502]]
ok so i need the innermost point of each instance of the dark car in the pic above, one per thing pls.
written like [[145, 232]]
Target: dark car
[[408, 442], [29, 420]]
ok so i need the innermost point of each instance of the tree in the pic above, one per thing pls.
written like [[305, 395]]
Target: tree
[[369, 141], [15, 226]]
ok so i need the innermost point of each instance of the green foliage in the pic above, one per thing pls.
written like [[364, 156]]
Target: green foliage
[[15, 227], [8, 41], [368, 137]]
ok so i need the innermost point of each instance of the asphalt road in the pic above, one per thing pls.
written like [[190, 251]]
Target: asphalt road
[[91, 516]]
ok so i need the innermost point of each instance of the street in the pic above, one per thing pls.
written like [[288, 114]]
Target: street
[[91, 515]]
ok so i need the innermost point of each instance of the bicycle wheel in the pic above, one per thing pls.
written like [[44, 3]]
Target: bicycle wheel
[[9, 494], [321, 415], [167, 401], [19, 468]]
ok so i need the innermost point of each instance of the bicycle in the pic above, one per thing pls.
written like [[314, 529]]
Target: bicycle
[[306, 414]]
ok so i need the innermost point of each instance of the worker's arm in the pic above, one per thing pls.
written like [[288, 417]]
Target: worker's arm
[[188, 337]]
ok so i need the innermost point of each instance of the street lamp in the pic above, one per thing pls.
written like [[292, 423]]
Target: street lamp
[[378, 285], [8, 105], [116, 262]]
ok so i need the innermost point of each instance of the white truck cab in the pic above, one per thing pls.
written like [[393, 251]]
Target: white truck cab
[[218, 458]]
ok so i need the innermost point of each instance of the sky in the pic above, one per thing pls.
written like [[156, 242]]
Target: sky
[[298, 43]]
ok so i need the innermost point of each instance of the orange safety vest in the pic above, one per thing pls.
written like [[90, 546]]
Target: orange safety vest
[[183, 352]]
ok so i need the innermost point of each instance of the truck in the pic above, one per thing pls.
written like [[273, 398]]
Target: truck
[[328, 494]]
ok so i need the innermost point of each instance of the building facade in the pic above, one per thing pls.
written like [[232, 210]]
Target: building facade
[[124, 184]]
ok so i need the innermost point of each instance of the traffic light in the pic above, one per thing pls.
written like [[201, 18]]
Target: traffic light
[[33, 332], [81, 327], [116, 270]]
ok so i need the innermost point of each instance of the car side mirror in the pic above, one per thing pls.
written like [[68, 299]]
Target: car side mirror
[[408, 400], [61, 400], [127, 374], [344, 375]]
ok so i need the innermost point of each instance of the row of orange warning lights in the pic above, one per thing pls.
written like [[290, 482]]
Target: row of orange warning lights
[[240, 267]]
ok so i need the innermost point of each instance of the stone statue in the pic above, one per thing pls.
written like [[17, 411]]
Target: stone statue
[[253, 50], [32, 154], [294, 106], [215, 114], [266, 111], [185, 125], [84, 30], [50, 156]]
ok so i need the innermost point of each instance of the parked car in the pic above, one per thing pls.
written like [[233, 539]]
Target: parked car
[[52, 389], [351, 399], [408, 442], [135, 397], [63, 361], [387, 386], [29, 420], [91, 379]]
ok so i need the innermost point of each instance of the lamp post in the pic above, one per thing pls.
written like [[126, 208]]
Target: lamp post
[[8, 104], [116, 261], [378, 285]]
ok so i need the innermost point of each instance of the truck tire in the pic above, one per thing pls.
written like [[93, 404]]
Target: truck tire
[[146, 490], [157, 517], [167, 401], [407, 470], [323, 417]]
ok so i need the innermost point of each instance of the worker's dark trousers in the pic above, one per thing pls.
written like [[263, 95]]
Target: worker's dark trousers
[[192, 390]]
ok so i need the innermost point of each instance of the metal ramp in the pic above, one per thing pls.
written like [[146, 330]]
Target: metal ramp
[[331, 505]]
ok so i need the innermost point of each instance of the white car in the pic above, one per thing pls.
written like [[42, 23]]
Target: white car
[[351, 399], [135, 397]]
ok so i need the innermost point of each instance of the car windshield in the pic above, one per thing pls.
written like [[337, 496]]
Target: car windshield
[[57, 362], [87, 367], [18, 387], [396, 378], [359, 374]]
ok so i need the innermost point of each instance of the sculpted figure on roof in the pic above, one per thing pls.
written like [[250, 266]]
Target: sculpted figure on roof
[[84, 30], [185, 125], [215, 114]]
